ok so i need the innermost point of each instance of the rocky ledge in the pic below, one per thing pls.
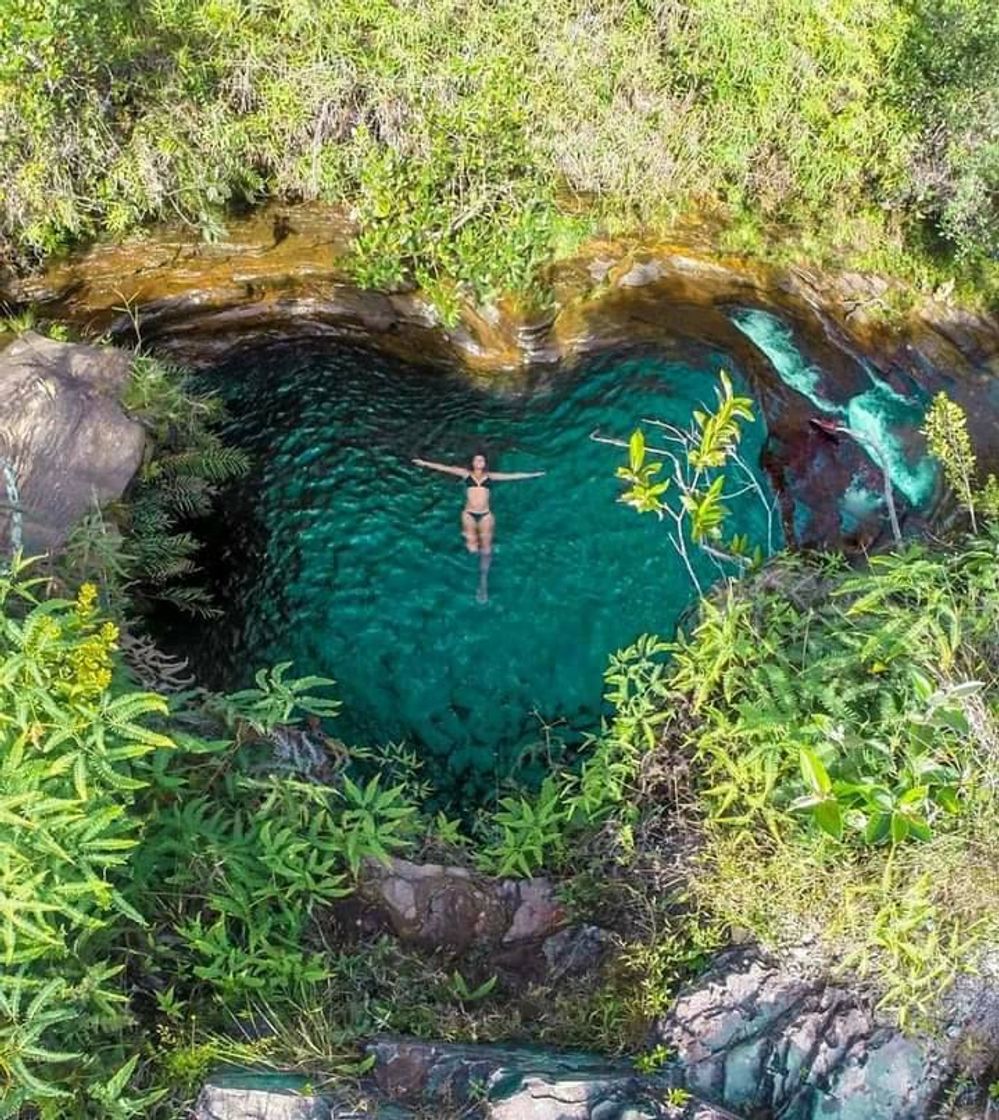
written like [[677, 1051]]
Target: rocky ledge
[[747, 1041], [750, 1039], [419, 1080], [280, 276]]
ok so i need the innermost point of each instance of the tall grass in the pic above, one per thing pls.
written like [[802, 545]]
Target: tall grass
[[475, 140]]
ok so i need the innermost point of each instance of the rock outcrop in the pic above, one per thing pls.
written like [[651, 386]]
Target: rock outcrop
[[763, 1042], [512, 1083], [222, 1101], [65, 442], [747, 1041], [416, 1080], [439, 907]]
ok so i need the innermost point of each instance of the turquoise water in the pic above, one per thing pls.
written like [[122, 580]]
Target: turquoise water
[[879, 415], [340, 555]]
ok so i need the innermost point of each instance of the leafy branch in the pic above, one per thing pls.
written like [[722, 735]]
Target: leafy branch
[[700, 459]]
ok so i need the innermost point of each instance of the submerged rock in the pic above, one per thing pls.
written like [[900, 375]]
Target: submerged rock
[[65, 441]]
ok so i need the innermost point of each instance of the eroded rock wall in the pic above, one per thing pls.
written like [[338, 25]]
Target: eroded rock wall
[[280, 275]]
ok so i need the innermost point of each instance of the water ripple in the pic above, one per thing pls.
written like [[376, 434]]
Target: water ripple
[[339, 554]]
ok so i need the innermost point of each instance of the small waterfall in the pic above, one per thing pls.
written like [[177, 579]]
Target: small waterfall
[[873, 416]]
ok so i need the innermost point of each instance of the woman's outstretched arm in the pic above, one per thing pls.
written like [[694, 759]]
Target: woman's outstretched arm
[[514, 476], [459, 472]]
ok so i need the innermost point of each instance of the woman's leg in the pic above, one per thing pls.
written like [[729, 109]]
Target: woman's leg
[[470, 531], [486, 527]]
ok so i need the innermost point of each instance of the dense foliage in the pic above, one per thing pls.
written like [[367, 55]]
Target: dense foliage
[[475, 142], [169, 865], [146, 874], [73, 749], [141, 552], [845, 742]]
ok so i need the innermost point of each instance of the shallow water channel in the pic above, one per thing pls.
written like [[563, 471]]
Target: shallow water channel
[[338, 554]]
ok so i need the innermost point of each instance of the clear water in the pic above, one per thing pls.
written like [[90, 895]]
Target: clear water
[[338, 554]]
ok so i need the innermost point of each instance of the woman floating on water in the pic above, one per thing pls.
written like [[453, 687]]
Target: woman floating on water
[[477, 519]]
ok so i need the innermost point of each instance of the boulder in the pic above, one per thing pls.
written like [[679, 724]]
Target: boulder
[[65, 441], [439, 907], [246, 1094], [230, 1102], [523, 1083]]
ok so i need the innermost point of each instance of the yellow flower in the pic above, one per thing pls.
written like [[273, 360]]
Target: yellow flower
[[90, 662], [86, 600]]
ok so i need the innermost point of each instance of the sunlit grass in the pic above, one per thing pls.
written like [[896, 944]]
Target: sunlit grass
[[474, 142]]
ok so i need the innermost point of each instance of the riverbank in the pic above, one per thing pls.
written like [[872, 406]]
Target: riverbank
[[476, 146]]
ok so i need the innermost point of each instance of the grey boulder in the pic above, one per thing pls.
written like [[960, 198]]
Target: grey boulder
[[761, 1041], [65, 441]]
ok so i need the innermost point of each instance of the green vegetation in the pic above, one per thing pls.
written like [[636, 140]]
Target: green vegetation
[[841, 730], [699, 458], [167, 883], [138, 551], [818, 750], [475, 143], [946, 431], [166, 855]]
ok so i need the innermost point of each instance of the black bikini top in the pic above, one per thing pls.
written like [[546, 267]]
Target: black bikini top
[[471, 480]]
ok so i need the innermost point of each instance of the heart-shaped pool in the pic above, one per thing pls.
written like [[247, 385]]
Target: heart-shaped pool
[[340, 555]]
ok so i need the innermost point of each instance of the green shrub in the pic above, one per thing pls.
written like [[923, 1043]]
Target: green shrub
[[947, 79], [701, 460], [946, 431], [74, 749], [140, 551], [844, 746], [184, 869]]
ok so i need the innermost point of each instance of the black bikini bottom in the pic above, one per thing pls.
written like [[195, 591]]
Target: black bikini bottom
[[479, 514]]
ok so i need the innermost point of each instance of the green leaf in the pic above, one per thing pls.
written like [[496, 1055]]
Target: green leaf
[[915, 796], [636, 450], [829, 818], [919, 827], [899, 827], [815, 774], [877, 828], [946, 797], [116, 1086]]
